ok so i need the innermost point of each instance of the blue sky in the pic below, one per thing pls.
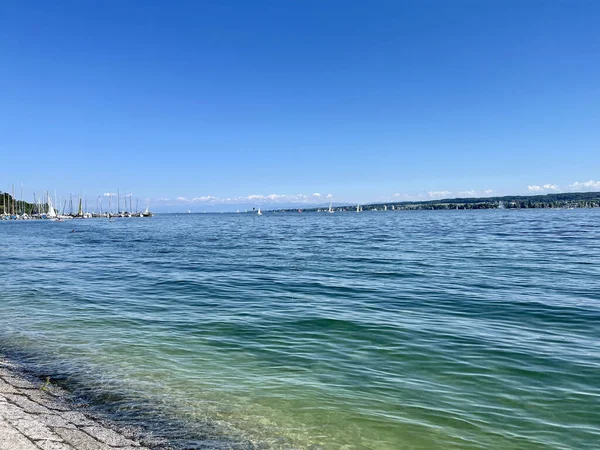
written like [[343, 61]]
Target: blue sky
[[237, 102]]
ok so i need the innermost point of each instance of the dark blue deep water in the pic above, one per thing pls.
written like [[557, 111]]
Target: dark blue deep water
[[381, 330]]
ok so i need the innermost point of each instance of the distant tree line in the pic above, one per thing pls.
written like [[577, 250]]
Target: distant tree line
[[563, 200], [10, 205]]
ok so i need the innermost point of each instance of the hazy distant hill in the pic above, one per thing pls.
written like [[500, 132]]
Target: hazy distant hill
[[562, 200]]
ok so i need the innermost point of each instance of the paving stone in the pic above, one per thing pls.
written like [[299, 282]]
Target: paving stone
[[12, 412], [109, 436], [80, 440], [26, 404], [32, 419], [6, 388], [55, 421], [35, 430], [19, 382], [47, 400], [51, 445], [77, 418], [11, 439]]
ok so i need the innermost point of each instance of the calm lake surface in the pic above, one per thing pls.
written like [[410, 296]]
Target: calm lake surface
[[381, 330]]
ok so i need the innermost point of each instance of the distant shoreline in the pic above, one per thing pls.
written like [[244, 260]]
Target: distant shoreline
[[561, 200], [13, 209]]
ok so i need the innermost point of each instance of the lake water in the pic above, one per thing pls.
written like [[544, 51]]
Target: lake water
[[381, 330]]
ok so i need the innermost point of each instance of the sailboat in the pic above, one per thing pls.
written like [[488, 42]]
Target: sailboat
[[259, 213], [189, 212], [330, 210], [51, 212], [80, 209], [147, 213], [358, 208]]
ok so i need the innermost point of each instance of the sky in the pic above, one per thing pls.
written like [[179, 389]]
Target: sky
[[216, 105]]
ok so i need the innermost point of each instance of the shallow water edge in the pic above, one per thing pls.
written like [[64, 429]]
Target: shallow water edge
[[144, 424]]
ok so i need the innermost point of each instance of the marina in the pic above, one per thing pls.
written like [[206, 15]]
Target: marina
[[45, 208]]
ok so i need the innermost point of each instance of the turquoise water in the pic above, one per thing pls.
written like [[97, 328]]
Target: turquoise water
[[383, 330]]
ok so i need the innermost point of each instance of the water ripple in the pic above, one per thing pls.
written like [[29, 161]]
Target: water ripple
[[397, 330]]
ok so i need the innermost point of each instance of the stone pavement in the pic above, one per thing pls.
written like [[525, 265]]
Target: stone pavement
[[33, 416]]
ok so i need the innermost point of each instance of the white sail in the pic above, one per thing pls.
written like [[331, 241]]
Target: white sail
[[51, 212], [259, 213]]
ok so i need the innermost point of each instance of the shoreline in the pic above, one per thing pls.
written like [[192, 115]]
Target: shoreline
[[56, 413], [38, 415]]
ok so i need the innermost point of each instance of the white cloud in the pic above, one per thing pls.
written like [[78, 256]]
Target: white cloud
[[585, 185], [467, 194], [110, 194], [204, 198], [407, 197], [552, 187], [438, 194], [535, 188], [545, 187], [488, 191], [251, 199]]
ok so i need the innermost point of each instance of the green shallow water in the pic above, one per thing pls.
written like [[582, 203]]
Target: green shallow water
[[397, 330]]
